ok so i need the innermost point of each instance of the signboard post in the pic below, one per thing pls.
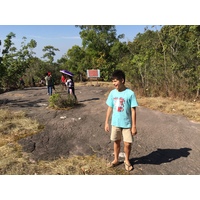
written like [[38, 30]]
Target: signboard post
[[93, 74]]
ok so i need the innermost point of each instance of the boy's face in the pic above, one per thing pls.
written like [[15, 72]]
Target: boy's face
[[118, 84]]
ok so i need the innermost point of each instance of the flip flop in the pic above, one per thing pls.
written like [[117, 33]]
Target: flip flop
[[111, 164], [128, 167]]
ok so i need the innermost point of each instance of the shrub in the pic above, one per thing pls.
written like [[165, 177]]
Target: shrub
[[59, 101]]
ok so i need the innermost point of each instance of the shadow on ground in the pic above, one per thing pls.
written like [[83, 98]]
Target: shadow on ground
[[93, 99], [23, 103], [161, 156]]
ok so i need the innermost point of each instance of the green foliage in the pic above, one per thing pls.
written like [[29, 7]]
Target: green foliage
[[15, 62], [49, 53], [58, 101], [165, 63], [157, 63], [102, 49]]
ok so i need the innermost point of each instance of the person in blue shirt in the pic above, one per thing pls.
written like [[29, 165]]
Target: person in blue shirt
[[122, 105]]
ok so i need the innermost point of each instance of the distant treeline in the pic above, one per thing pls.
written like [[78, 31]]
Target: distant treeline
[[162, 61]]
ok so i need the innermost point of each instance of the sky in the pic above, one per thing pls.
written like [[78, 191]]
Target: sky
[[62, 37], [53, 23]]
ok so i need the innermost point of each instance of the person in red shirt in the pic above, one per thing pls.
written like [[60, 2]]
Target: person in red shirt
[[63, 82]]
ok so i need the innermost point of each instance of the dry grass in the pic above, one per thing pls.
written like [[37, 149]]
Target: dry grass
[[95, 83], [191, 110], [14, 126], [14, 162]]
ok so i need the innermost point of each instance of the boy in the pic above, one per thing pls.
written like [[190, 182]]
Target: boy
[[122, 104]]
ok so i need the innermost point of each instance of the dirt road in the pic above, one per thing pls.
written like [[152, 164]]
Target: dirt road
[[165, 144]]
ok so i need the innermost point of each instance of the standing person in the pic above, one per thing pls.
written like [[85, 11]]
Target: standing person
[[21, 83], [122, 104], [33, 81], [70, 86], [46, 82], [50, 83], [63, 82]]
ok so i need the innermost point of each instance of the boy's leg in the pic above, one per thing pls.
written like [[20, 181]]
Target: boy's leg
[[128, 139], [115, 162], [116, 138], [116, 151], [127, 151]]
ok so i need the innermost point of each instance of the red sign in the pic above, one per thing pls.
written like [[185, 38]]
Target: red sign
[[95, 73]]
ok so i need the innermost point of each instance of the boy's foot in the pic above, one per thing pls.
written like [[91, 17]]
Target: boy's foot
[[112, 164], [128, 167]]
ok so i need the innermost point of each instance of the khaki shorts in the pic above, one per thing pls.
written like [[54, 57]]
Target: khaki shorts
[[118, 133]]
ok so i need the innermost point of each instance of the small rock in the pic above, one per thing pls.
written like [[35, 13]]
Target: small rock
[[85, 169], [63, 117], [32, 161]]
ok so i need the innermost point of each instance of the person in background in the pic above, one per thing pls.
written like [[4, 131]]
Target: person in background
[[21, 83], [46, 82], [50, 83], [42, 82], [63, 82], [70, 86], [33, 81], [122, 104]]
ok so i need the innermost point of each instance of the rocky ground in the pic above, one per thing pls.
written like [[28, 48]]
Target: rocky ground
[[165, 144]]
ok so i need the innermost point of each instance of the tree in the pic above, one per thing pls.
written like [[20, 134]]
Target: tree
[[182, 47], [49, 53], [97, 41], [8, 54], [15, 62], [76, 61]]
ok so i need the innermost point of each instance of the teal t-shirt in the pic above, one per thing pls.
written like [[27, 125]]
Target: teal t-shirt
[[121, 103]]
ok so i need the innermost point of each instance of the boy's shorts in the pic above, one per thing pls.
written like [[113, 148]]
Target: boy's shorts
[[117, 134]]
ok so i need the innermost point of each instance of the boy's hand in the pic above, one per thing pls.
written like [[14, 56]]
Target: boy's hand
[[133, 130], [107, 128]]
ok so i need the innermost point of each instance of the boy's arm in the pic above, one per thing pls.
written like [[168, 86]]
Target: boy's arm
[[108, 113], [133, 118]]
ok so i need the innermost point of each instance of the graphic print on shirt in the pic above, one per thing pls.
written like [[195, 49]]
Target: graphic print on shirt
[[119, 104]]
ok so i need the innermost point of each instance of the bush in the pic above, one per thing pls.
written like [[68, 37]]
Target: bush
[[58, 101]]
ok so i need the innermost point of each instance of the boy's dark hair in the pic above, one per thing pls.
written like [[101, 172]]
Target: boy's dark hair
[[118, 74]]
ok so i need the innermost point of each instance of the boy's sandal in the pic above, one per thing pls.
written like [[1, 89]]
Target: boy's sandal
[[111, 164], [128, 167]]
